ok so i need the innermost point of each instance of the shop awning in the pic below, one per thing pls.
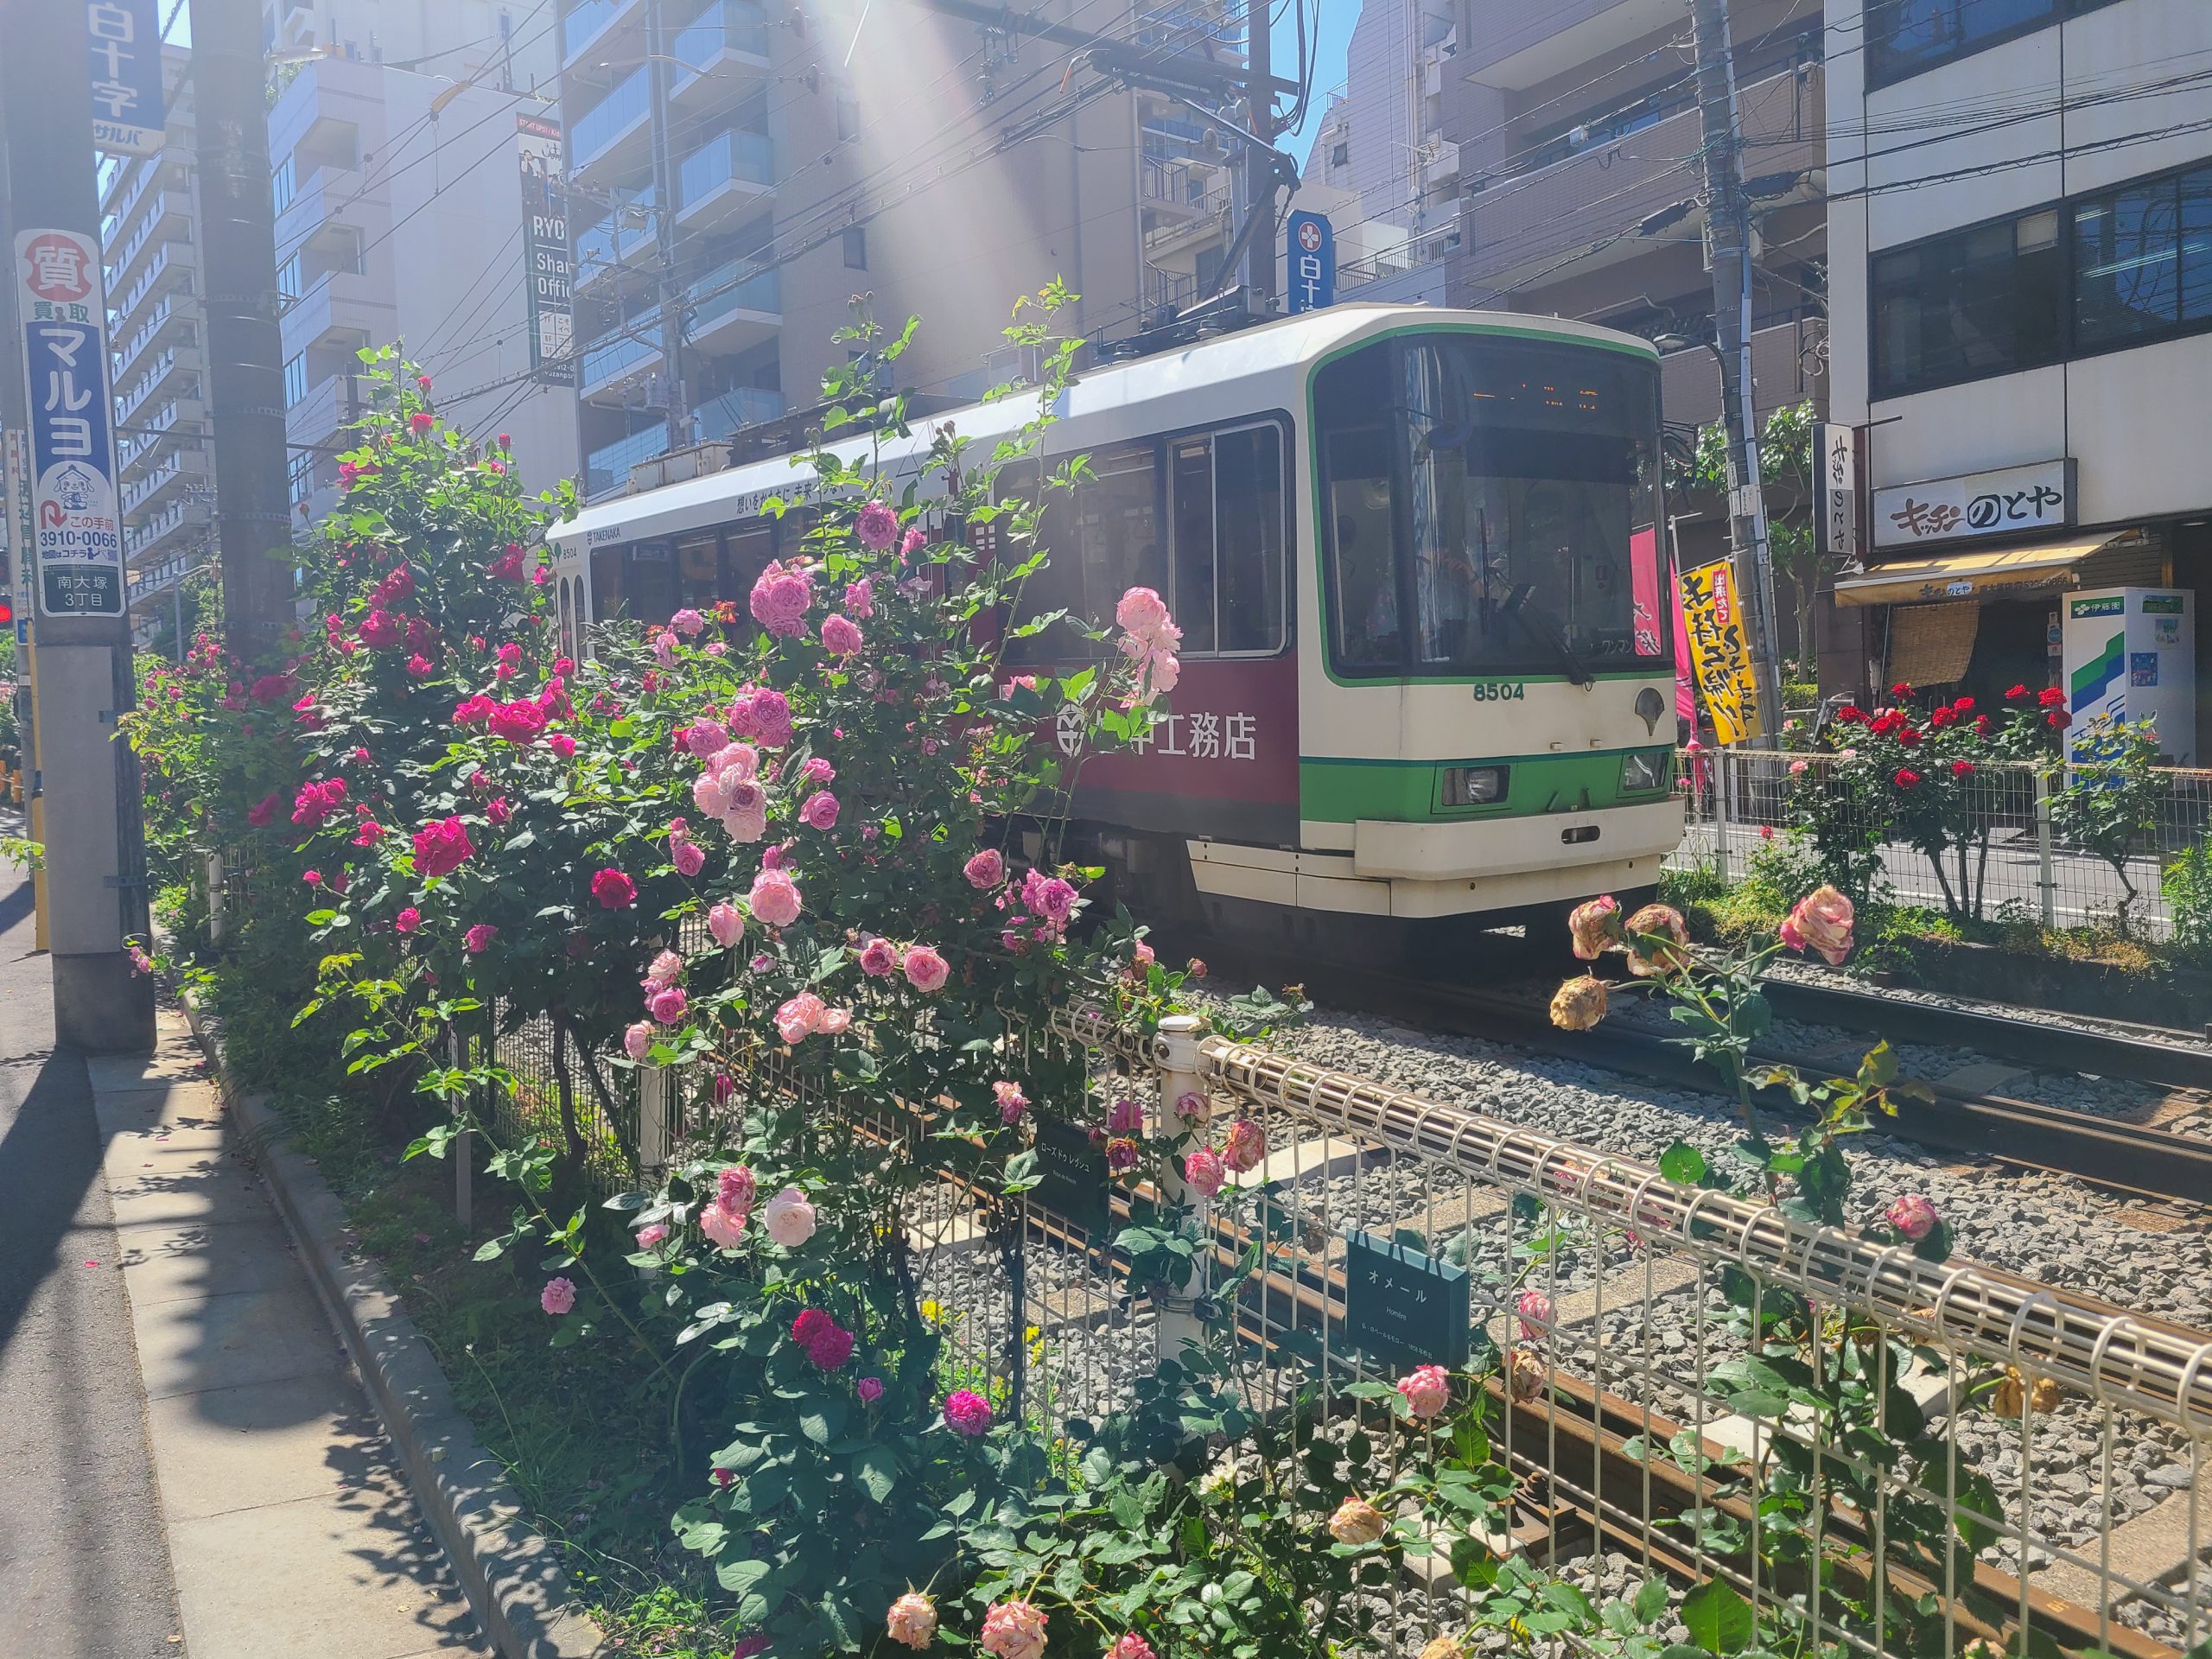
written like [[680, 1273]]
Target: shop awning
[[1986, 574]]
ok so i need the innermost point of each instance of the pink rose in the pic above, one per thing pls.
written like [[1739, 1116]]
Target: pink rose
[[1245, 1146], [479, 938], [1427, 1389], [1204, 1172], [1013, 1630], [789, 1218], [1130, 1645], [910, 543], [870, 1389], [562, 746], [967, 1413], [1822, 920], [687, 622], [1537, 1314], [667, 968], [726, 923], [441, 847], [690, 857], [735, 1187], [638, 1041], [649, 1236], [407, 920], [860, 599], [1592, 926], [722, 1226], [820, 811], [779, 600], [1192, 1108], [877, 526], [879, 959], [558, 1296], [840, 636], [986, 869], [1913, 1215], [668, 1006], [1011, 1100], [800, 1017], [925, 970], [775, 899], [614, 890], [911, 1621], [1140, 612], [1124, 1116]]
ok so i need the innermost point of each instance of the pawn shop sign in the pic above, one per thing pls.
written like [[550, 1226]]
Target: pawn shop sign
[[1312, 260]]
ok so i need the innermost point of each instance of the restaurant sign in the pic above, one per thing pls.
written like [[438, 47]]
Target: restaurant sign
[[2011, 501]]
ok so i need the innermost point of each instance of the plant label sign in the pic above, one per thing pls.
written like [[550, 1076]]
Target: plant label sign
[[1070, 1174], [1403, 1307]]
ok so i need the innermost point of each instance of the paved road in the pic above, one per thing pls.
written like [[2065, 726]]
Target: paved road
[[84, 1565]]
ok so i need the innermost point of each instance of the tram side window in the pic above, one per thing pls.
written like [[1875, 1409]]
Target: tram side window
[[1364, 589], [1117, 520], [1192, 601], [752, 544], [1250, 547], [699, 570]]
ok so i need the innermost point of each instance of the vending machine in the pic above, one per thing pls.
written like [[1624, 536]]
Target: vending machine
[[2131, 653]]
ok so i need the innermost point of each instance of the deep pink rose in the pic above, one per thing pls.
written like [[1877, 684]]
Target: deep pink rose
[[614, 890]]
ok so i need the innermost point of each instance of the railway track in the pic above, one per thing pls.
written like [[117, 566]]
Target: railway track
[[1978, 1120]]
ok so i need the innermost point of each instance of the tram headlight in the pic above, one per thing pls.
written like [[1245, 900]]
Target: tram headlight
[[1644, 771], [1473, 786]]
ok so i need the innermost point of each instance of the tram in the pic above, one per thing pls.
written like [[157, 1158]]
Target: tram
[[1427, 667]]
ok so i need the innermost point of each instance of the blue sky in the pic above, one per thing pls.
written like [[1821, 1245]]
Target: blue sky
[[1336, 18]]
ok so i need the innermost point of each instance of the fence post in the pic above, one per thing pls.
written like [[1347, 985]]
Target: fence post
[[1182, 1072], [215, 917], [464, 1148], [2047, 874], [652, 1119], [1722, 788]]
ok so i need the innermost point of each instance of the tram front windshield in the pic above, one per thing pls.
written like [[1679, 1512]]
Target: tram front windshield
[[1493, 509]]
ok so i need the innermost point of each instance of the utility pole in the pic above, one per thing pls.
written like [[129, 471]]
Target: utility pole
[[671, 296], [245, 343], [88, 781], [1728, 227], [1259, 159]]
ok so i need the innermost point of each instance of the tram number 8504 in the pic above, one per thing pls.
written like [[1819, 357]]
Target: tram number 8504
[[1499, 690]]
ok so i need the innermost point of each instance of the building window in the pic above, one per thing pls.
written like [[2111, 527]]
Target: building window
[[2143, 260], [295, 380], [1340, 155], [1986, 300], [300, 470], [1905, 37], [288, 278], [283, 184], [856, 248]]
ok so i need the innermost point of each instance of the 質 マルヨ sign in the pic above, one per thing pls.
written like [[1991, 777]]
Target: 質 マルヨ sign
[[76, 524]]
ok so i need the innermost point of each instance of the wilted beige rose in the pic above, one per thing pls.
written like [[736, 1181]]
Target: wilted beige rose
[[1666, 922], [1358, 1522], [1580, 1003]]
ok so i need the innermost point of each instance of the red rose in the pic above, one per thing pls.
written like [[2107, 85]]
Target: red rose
[[614, 890], [2051, 696], [1961, 768], [2056, 719], [1963, 706], [1850, 715], [2016, 694], [1906, 777], [1981, 724], [1901, 690], [1909, 738]]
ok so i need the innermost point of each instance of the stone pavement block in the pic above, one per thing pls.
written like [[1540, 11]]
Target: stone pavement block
[[211, 1188], [175, 1105], [262, 1443], [170, 1062], [224, 1338], [165, 1262], [354, 1580]]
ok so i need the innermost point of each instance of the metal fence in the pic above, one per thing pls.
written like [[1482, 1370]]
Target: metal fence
[[2019, 863], [1652, 1411]]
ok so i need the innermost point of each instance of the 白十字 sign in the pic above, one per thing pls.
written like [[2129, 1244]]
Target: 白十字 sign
[[2013, 500], [1312, 256], [125, 38], [76, 529]]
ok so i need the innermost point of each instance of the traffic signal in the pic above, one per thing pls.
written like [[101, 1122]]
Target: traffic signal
[[7, 613]]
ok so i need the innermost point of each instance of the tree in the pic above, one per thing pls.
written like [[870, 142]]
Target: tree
[[1785, 459]]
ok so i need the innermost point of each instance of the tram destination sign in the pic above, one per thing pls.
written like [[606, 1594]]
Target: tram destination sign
[[1403, 1307]]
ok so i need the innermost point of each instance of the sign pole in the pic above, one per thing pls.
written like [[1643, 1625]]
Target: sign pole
[[56, 390]]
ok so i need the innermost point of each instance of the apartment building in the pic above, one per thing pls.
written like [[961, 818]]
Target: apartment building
[[740, 174], [400, 219], [2021, 226], [148, 216]]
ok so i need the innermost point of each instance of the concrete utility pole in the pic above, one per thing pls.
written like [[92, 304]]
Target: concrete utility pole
[[1259, 161], [245, 343], [88, 781], [1728, 221]]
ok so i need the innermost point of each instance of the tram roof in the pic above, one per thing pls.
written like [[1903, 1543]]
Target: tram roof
[[1284, 342]]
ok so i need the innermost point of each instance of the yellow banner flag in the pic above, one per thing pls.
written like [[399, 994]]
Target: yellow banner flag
[[1720, 652]]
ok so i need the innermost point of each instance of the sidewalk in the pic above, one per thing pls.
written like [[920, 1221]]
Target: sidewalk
[[287, 1531]]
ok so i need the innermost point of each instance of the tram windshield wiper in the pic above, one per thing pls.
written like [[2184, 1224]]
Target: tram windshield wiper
[[1543, 627]]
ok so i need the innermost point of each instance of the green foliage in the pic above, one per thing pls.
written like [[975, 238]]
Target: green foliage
[[2187, 885], [2110, 803]]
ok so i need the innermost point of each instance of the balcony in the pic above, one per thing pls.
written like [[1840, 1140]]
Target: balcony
[[729, 316], [183, 474], [170, 271], [615, 363], [1517, 46], [155, 582], [718, 417], [607, 472], [1213, 224], [730, 175], [592, 23], [1185, 189], [1514, 226], [168, 323], [724, 49], [331, 403], [168, 532], [179, 420], [169, 375], [342, 310], [169, 220], [613, 131], [618, 240]]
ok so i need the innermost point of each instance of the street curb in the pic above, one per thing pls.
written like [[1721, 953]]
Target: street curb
[[513, 1578]]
